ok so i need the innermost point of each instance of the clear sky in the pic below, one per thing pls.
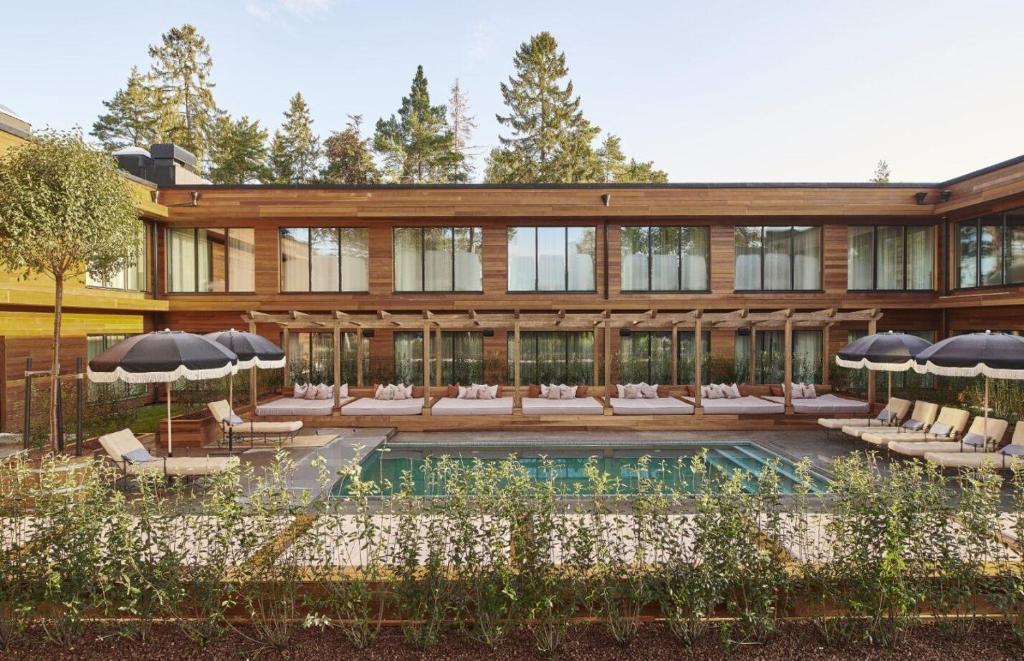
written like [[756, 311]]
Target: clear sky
[[710, 91]]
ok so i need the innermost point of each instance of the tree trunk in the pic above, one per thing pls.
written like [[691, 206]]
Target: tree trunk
[[58, 301]]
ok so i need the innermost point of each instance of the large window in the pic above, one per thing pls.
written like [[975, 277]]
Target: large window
[[990, 250], [311, 357], [324, 259], [94, 346], [552, 357], [890, 257], [778, 258], [646, 356], [770, 356], [552, 259], [210, 260], [462, 357], [438, 259], [132, 277], [664, 258]]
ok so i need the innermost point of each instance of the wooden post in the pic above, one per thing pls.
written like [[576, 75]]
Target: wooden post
[[787, 384], [288, 359], [675, 354], [79, 404], [698, 362], [253, 394], [607, 361], [26, 430], [337, 365], [752, 358], [437, 356], [359, 356], [872, 392], [426, 366], [826, 338], [515, 363], [596, 376]]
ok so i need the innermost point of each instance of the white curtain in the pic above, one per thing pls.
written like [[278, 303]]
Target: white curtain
[[294, 259], [748, 258], [695, 253], [890, 257], [920, 251], [777, 258], [437, 259], [522, 258], [469, 272], [806, 258], [551, 258], [580, 247], [325, 258], [408, 259], [355, 272], [860, 258], [665, 265], [633, 251], [241, 259]]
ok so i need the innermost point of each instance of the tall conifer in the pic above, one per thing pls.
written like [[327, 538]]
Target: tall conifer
[[180, 76], [295, 149]]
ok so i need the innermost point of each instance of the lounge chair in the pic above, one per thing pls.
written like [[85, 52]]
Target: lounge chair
[[977, 439], [893, 413], [824, 404], [456, 406], [126, 451], [921, 419], [947, 427], [1009, 456], [232, 426]]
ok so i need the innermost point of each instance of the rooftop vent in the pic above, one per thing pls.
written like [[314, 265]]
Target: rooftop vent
[[164, 164]]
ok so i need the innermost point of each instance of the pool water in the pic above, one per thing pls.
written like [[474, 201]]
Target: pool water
[[670, 465]]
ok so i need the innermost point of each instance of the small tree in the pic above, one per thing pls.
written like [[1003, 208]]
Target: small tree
[[64, 209], [882, 173]]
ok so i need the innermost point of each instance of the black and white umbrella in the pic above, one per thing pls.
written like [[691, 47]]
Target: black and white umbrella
[[163, 357], [253, 351], [883, 352], [988, 354]]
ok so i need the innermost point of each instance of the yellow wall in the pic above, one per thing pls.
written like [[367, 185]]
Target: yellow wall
[[73, 324]]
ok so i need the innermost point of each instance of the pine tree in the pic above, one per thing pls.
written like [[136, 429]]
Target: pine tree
[[615, 168], [295, 149], [882, 173], [131, 117], [418, 145], [349, 156], [550, 139], [239, 151], [462, 125], [181, 78]]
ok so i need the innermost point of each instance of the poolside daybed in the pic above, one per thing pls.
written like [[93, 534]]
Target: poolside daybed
[[976, 440], [1009, 456], [746, 404], [463, 406], [659, 402], [537, 402], [920, 419], [371, 406], [948, 426], [133, 458], [299, 404], [895, 411]]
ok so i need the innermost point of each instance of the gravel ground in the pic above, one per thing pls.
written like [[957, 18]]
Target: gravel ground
[[989, 641]]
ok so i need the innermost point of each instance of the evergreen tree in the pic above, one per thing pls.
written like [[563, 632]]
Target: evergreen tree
[[550, 139], [239, 151], [131, 117], [295, 149], [181, 78], [882, 173], [616, 169], [349, 156], [418, 145], [462, 125]]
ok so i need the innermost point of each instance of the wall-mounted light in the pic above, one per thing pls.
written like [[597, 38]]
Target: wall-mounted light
[[368, 332], [920, 197], [155, 196], [625, 332], [488, 332], [945, 195], [195, 198], [607, 199]]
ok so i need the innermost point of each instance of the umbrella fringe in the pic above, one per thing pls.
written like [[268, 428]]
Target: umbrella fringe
[[120, 374], [981, 369], [879, 367]]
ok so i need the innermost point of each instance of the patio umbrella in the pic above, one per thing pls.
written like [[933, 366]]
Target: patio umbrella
[[883, 352], [163, 357], [993, 355], [253, 351]]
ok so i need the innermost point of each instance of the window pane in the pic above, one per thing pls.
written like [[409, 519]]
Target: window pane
[[551, 258], [635, 358], [408, 259], [299, 357], [325, 254], [522, 258], [687, 352], [634, 258], [890, 257], [581, 258], [695, 251], [408, 357], [355, 252], [992, 250], [241, 259], [135, 276], [665, 258], [920, 251], [806, 356], [294, 259], [181, 260], [437, 259], [777, 259], [350, 356], [212, 263], [860, 258], [553, 357], [462, 357], [968, 251], [1015, 246], [469, 274], [748, 258], [321, 367], [806, 258]]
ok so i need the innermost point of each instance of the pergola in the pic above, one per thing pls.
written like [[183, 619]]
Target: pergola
[[516, 321]]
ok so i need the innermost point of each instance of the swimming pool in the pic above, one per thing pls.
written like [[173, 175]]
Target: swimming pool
[[670, 463]]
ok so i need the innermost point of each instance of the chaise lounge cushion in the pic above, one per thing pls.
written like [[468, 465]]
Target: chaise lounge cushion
[[575, 406], [123, 442], [291, 406], [371, 406], [746, 405], [453, 406], [657, 406], [222, 413]]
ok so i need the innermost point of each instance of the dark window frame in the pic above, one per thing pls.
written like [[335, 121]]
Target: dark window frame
[[195, 262], [792, 262], [147, 255], [874, 260], [309, 260], [679, 252], [423, 259], [976, 224], [536, 257]]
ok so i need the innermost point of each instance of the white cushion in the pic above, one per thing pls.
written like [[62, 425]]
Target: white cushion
[[809, 391], [649, 392], [344, 390], [324, 391], [299, 390], [620, 390]]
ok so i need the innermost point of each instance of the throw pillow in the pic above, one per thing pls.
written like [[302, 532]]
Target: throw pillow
[[715, 392], [417, 392], [534, 391], [566, 392], [452, 391], [581, 391], [649, 392], [344, 390], [975, 440], [472, 393], [408, 392], [311, 392], [138, 456], [913, 425], [324, 391], [299, 390], [941, 429], [234, 419], [632, 392], [544, 390], [620, 391], [552, 393], [809, 391], [486, 392], [378, 393]]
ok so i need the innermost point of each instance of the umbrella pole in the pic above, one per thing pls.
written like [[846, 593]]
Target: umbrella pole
[[170, 445], [889, 398], [231, 393], [986, 412]]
